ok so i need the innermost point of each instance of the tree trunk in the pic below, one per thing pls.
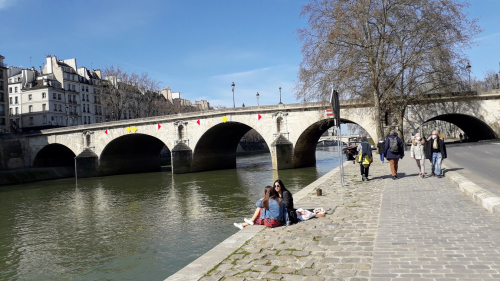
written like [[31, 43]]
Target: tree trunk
[[378, 120], [401, 115]]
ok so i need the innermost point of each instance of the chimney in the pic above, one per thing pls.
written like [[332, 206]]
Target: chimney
[[40, 67], [48, 64]]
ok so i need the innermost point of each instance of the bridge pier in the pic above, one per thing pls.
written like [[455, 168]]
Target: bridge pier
[[182, 158], [86, 164], [282, 153]]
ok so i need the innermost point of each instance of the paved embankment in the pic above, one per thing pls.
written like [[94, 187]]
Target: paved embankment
[[408, 229]]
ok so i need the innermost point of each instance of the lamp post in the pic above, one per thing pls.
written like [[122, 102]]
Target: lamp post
[[232, 88], [468, 70], [257, 95], [280, 96]]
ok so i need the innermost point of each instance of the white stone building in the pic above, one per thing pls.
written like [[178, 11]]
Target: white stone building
[[4, 125], [60, 94]]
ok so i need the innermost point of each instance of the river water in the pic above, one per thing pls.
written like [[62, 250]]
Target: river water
[[130, 227]]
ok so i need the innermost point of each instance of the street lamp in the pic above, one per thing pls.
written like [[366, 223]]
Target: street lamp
[[468, 69], [232, 88], [280, 96], [257, 95]]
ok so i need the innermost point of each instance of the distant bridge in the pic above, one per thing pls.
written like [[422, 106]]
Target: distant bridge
[[207, 140]]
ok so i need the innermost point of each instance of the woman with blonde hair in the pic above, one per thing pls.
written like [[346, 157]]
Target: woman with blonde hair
[[417, 153]]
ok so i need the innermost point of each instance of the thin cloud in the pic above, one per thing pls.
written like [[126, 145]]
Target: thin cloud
[[244, 73], [487, 37], [4, 4]]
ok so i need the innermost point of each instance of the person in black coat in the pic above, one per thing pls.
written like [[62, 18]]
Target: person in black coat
[[380, 148], [365, 149], [287, 198], [435, 151]]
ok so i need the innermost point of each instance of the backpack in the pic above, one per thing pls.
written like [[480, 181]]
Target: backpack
[[393, 145]]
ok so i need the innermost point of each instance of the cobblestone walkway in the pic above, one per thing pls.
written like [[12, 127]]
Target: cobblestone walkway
[[412, 228], [429, 230]]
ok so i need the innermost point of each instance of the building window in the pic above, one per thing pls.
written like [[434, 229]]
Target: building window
[[59, 96], [10, 100], [45, 119], [10, 90], [30, 97], [73, 87], [44, 107], [60, 108], [60, 119], [31, 121], [30, 108], [15, 89], [17, 110], [44, 95], [16, 100], [54, 96]]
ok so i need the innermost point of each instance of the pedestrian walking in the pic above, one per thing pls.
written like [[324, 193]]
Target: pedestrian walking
[[365, 158], [417, 153], [461, 137], [435, 151], [393, 151], [380, 148]]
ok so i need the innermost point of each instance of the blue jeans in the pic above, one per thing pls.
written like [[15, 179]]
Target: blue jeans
[[436, 162], [382, 157]]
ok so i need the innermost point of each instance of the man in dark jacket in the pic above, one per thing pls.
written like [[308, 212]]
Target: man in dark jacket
[[393, 151], [435, 151], [380, 148]]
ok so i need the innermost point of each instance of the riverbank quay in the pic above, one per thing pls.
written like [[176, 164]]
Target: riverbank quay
[[383, 229]]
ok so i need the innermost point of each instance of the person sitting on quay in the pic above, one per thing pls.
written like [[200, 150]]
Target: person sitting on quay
[[271, 211], [287, 198], [435, 151], [393, 151], [417, 153]]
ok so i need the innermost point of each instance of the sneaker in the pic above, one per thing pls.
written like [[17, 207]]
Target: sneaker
[[363, 178], [367, 179], [249, 221], [238, 225], [432, 175], [439, 176], [393, 177]]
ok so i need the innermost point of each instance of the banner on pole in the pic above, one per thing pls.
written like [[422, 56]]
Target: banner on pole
[[334, 100]]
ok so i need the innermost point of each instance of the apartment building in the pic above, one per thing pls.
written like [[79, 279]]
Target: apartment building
[[202, 105], [4, 96], [60, 94]]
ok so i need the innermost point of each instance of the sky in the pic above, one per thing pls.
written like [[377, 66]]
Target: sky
[[197, 48]]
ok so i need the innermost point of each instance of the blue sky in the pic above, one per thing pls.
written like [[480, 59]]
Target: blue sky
[[195, 47]]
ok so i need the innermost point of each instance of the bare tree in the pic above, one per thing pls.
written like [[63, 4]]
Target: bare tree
[[384, 51], [125, 92]]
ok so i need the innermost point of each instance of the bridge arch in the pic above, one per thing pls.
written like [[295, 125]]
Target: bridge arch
[[132, 153], [54, 155], [304, 153], [475, 128], [216, 148]]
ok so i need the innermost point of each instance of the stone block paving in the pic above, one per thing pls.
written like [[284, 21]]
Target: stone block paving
[[408, 229], [338, 246], [429, 230]]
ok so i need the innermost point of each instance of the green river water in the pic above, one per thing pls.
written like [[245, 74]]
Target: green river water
[[132, 227]]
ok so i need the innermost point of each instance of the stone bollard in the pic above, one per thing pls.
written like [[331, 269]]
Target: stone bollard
[[319, 192]]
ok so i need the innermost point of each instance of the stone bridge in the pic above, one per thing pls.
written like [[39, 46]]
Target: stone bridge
[[202, 141]]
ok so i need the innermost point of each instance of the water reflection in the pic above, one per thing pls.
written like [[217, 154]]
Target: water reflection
[[131, 226]]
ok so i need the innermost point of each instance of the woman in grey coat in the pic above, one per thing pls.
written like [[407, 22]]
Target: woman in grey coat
[[417, 153]]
